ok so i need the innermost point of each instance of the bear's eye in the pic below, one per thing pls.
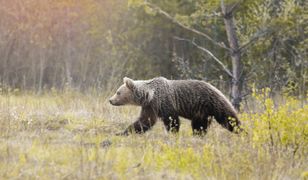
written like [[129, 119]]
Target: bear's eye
[[118, 93]]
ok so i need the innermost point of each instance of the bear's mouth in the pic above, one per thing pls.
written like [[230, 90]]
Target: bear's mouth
[[115, 104]]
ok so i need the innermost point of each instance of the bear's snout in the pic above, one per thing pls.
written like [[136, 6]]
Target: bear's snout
[[114, 102]]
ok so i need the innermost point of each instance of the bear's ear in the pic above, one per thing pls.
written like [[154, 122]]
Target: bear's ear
[[129, 83]]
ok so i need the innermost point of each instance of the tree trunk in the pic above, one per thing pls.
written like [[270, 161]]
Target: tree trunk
[[6, 68], [68, 54], [41, 71], [237, 67]]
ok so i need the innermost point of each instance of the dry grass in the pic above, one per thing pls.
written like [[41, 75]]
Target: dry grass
[[67, 136]]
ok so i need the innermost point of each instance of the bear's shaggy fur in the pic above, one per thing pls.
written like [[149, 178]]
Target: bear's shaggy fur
[[169, 99]]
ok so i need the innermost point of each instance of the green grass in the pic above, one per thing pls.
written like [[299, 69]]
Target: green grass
[[60, 135]]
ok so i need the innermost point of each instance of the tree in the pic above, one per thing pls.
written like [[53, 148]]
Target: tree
[[234, 48], [237, 68], [226, 12]]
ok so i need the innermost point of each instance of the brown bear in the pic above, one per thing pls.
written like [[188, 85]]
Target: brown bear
[[170, 99]]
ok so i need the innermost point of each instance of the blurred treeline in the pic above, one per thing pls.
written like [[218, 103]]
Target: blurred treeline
[[85, 44]]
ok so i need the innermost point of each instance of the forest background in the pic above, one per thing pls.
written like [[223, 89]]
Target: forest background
[[92, 44]]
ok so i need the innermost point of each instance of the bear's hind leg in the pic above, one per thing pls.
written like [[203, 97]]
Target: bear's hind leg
[[172, 124], [199, 126]]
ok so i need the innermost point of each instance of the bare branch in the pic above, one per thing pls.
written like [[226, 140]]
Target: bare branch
[[234, 7], [208, 52], [168, 16], [223, 7], [246, 94], [254, 38], [228, 11]]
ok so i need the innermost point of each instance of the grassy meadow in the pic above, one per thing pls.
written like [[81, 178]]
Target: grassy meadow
[[70, 135]]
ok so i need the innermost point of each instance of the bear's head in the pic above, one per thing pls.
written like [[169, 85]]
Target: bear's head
[[132, 92]]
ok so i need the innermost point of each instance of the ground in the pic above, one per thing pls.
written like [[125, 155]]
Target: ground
[[69, 135]]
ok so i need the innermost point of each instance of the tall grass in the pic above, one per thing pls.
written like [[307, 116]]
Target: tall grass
[[67, 135]]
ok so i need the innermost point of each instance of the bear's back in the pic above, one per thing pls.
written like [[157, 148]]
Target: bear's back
[[192, 96]]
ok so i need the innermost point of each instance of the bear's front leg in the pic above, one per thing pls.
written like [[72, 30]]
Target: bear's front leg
[[145, 121]]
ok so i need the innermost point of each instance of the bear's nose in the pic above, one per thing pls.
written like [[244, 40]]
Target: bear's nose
[[110, 101]]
